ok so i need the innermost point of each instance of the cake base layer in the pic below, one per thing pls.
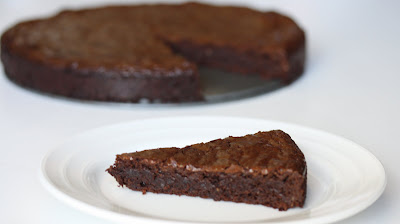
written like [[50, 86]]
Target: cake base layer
[[98, 85], [282, 191]]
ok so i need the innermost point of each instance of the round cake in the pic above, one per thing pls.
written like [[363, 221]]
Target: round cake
[[152, 52]]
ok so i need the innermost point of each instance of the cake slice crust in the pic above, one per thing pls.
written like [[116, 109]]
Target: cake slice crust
[[265, 168]]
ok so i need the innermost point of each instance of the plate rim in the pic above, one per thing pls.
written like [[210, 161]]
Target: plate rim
[[77, 204]]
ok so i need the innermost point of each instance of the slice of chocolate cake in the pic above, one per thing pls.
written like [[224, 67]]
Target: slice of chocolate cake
[[130, 53], [265, 168]]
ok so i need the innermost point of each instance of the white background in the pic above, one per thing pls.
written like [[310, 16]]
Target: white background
[[350, 88]]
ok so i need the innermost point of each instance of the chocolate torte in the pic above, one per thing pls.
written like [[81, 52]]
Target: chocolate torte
[[265, 168], [130, 53]]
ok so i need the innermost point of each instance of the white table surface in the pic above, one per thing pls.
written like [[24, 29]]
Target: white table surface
[[350, 88]]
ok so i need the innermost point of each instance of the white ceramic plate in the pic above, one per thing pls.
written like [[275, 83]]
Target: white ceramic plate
[[343, 177]]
